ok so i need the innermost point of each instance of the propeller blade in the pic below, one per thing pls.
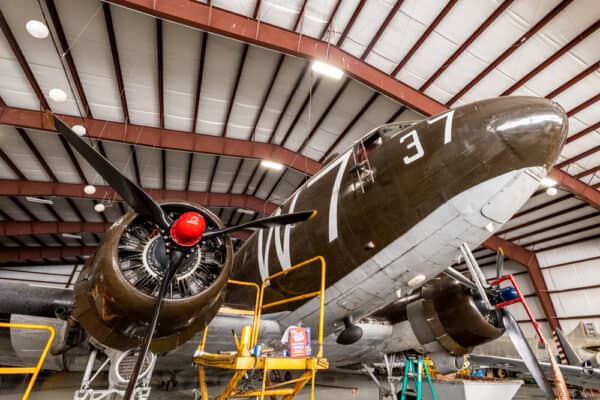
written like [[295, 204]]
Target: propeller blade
[[177, 257], [266, 222], [499, 263], [134, 195], [522, 345]]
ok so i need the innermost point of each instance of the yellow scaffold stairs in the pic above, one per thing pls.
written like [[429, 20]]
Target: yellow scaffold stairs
[[243, 361]]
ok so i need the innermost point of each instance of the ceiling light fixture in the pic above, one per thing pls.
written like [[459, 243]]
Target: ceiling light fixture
[[58, 95], [79, 130], [551, 191], [89, 189], [37, 29], [71, 236], [38, 200], [99, 207], [244, 211], [327, 70], [271, 165], [548, 182]]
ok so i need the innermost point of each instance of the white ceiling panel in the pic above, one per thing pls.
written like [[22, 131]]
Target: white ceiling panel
[[39, 53], [6, 171], [224, 174], [256, 77], [243, 7], [587, 223], [64, 210], [136, 42], [120, 155], [559, 206], [85, 28], [566, 239], [177, 167], [280, 13], [569, 253], [41, 211], [316, 106], [86, 207], [202, 165], [352, 100], [451, 32], [18, 152], [520, 314], [150, 164], [287, 186], [181, 58], [55, 155], [290, 71], [220, 68], [13, 211], [380, 111], [14, 87], [268, 183], [245, 173], [90, 173], [316, 15]]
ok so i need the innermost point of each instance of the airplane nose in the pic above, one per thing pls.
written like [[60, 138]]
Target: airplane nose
[[533, 128]]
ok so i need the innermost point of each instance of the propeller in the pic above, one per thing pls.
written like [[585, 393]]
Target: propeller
[[181, 235], [522, 345], [499, 263]]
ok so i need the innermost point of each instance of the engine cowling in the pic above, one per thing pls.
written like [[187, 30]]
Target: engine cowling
[[115, 292]]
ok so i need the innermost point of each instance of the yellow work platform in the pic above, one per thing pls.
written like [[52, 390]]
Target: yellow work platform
[[242, 361]]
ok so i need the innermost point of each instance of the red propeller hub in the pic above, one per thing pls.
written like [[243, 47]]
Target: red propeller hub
[[188, 229]]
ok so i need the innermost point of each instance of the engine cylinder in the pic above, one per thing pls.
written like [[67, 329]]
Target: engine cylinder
[[115, 292]]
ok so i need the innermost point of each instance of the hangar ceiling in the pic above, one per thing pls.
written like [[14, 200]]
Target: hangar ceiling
[[187, 104]]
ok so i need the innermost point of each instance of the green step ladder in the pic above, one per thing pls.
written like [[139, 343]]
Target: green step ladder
[[414, 367]]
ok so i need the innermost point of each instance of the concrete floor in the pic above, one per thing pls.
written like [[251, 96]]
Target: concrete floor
[[329, 386]]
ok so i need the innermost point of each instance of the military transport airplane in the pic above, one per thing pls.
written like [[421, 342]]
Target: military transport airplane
[[388, 215]]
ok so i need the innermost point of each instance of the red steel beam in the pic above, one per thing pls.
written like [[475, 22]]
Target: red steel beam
[[511, 49], [382, 29], [424, 36], [19, 228], [10, 38], [559, 53], [64, 46], [249, 30], [165, 138], [583, 105], [41, 253], [583, 132], [530, 261], [28, 188], [467, 43], [576, 79], [575, 186]]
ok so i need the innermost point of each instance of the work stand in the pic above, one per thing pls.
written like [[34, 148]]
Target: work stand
[[243, 362]]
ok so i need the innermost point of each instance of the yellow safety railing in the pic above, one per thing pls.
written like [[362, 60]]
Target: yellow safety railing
[[34, 371], [320, 293]]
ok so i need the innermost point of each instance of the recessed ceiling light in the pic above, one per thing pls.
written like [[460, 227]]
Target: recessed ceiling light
[[38, 200], [244, 211], [327, 70], [99, 207], [79, 130], [89, 189], [71, 236], [58, 95], [271, 165], [548, 182], [551, 191], [37, 29]]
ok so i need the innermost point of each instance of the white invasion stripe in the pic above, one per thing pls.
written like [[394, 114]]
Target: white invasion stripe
[[324, 171], [333, 204], [286, 235], [263, 255], [278, 246]]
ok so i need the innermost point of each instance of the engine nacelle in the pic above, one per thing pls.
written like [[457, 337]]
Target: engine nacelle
[[445, 317], [115, 292]]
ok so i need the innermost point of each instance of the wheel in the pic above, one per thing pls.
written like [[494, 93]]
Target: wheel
[[500, 373]]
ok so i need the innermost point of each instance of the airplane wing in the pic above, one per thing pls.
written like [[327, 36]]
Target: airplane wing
[[574, 375]]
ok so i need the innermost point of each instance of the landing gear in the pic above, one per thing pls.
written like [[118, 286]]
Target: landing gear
[[169, 385]]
